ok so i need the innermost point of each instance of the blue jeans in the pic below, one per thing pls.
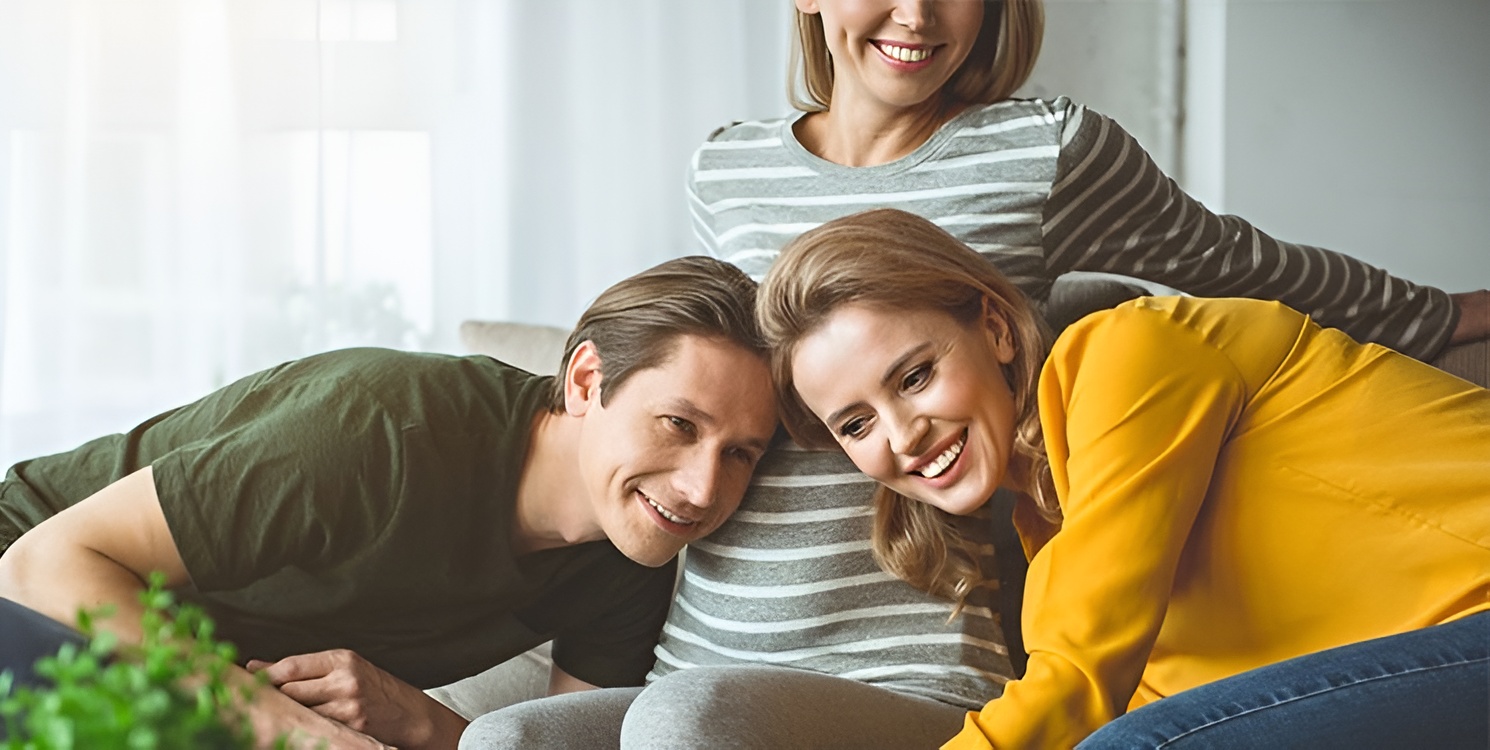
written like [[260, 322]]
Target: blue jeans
[[27, 635], [1428, 688]]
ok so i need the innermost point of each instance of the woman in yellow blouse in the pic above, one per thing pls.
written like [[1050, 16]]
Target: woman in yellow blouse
[[1218, 496]]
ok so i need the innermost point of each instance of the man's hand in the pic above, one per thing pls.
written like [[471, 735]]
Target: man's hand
[[274, 715], [1474, 316], [343, 686]]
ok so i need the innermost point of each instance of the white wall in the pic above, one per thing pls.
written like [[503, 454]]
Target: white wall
[[1360, 125], [1121, 58], [1356, 125]]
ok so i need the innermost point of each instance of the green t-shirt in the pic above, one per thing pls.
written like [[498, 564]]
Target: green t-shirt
[[363, 499]]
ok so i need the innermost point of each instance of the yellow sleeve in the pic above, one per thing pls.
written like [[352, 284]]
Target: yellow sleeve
[[1136, 406]]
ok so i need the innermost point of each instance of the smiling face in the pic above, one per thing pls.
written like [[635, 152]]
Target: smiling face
[[668, 459], [895, 53], [916, 399]]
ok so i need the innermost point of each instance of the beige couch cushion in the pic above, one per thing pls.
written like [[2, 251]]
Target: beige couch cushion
[[535, 348], [1468, 361]]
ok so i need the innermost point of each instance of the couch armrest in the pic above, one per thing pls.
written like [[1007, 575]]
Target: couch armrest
[[1469, 361]]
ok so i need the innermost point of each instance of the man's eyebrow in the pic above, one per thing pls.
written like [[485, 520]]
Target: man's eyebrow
[[895, 367], [690, 411]]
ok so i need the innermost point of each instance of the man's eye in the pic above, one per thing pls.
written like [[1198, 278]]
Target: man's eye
[[748, 458], [854, 427], [916, 378], [680, 424]]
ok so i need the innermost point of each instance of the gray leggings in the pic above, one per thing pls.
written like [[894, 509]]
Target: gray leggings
[[746, 707]]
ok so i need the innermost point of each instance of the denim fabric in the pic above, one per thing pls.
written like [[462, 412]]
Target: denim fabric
[[1428, 688], [27, 635]]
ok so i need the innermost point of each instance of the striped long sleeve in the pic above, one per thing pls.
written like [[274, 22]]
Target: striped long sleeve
[[1112, 210], [1042, 188]]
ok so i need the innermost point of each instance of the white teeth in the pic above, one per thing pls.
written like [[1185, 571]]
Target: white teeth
[[905, 54], [665, 514], [935, 468]]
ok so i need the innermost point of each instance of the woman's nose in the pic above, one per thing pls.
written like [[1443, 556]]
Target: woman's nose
[[915, 15], [907, 434]]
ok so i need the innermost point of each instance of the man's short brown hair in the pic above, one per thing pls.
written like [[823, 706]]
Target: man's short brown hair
[[636, 323]]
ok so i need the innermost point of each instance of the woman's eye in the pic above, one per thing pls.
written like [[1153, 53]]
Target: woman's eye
[[916, 378], [854, 427], [680, 424]]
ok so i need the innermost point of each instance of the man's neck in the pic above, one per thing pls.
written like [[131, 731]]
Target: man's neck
[[551, 509]]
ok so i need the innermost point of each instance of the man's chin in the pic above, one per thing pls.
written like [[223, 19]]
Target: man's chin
[[652, 561], [649, 555]]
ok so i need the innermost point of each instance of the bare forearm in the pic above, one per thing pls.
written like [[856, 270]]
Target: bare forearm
[[57, 580], [445, 728], [275, 715], [96, 552]]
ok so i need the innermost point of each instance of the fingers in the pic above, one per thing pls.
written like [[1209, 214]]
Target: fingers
[[303, 666], [347, 711], [321, 690]]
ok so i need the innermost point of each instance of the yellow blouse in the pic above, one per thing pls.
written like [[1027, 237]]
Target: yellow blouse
[[1239, 487]]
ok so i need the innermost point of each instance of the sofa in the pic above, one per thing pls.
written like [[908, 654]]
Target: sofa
[[538, 349]]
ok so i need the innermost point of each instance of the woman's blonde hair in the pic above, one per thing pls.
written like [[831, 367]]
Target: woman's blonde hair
[[999, 63], [896, 261]]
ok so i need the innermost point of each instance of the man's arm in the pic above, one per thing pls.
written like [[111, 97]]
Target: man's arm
[[346, 687], [342, 685], [99, 552]]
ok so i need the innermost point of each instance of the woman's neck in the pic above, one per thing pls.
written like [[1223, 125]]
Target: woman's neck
[[866, 136]]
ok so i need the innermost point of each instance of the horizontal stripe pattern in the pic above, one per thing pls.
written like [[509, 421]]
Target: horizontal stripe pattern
[[1040, 188], [790, 580], [1043, 188], [1112, 210]]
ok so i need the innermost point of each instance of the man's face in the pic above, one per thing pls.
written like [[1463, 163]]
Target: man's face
[[668, 460]]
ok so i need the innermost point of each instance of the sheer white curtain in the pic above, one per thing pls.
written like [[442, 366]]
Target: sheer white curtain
[[191, 190]]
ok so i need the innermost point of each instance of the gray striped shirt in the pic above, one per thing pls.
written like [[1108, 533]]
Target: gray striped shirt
[[789, 581], [1041, 188]]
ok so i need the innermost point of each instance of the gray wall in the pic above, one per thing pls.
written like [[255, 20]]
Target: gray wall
[[1356, 125], [1121, 59], [1360, 125]]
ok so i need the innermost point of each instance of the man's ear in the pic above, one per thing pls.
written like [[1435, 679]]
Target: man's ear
[[582, 380], [1000, 332]]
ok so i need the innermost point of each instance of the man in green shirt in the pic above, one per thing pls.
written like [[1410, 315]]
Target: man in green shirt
[[365, 523]]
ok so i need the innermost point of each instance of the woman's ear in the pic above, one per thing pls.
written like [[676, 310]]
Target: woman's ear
[[807, 6], [582, 380], [1000, 332]]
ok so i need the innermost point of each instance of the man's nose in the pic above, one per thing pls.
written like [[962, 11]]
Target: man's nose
[[697, 480]]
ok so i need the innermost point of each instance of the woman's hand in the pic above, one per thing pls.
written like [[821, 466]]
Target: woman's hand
[[1474, 316]]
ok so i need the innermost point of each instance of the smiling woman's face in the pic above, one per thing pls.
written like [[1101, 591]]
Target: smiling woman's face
[[916, 399], [895, 53]]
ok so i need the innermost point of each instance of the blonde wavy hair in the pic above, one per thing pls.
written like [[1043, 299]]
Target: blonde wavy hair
[[896, 261], [1000, 61]]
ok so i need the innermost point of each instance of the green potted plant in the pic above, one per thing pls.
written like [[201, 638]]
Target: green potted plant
[[169, 691]]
